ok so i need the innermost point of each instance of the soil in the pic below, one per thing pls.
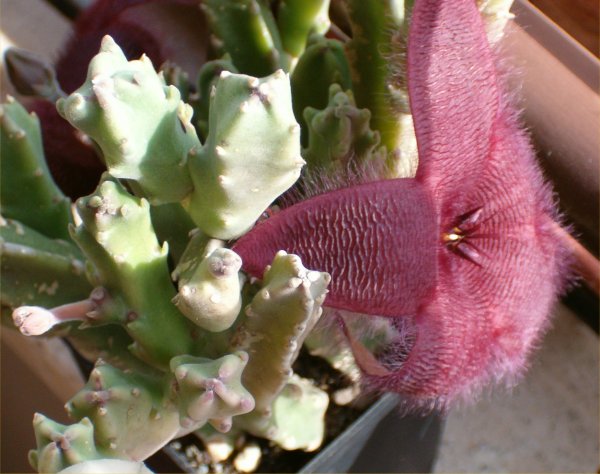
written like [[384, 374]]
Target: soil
[[187, 454]]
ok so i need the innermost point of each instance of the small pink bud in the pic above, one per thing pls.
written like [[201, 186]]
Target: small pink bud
[[33, 320]]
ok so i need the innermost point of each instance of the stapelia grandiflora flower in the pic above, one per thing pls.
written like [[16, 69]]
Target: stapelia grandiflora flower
[[464, 256]]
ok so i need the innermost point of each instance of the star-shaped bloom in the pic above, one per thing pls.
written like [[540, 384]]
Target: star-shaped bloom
[[467, 251]]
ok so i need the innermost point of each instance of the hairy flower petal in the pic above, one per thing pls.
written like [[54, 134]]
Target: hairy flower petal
[[470, 243]]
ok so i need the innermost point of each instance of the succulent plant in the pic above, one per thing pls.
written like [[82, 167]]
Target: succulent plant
[[380, 171]]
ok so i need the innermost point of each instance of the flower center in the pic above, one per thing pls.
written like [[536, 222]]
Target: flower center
[[457, 239]]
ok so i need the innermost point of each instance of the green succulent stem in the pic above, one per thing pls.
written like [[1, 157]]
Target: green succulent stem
[[135, 413], [117, 237], [287, 286], [207, 79], [297, 19], [276, 323], [339, 135], [129, 411], [209, 284], [323, 64], [60, 446], [376, 28], [141, 125], [250, 157], [27, 191], [38, 270], [249, 34]]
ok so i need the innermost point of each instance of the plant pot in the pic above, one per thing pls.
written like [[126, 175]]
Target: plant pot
[[370, 444], [383, 440]]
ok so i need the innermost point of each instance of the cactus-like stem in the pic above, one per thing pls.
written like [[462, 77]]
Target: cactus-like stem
[[60, 446], [132, 417], [251, 121], [100, 308], [207, 79], [323, 63], [295, 419], [278, 320], [209, 285], [108, 342], [376, 29], [249, 34], [116, 235], [140, 123], [340, 134], [172, 224], [297, 19], [37, 270], [211, 391], [299, 415], [27, 190], [135, 414]]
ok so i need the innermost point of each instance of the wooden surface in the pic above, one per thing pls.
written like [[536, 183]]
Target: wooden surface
[[579, 18], [561, 108]]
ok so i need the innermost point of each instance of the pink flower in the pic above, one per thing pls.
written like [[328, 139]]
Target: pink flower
[[466, 252]]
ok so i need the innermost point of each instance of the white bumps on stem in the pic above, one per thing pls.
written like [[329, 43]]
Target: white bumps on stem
[[274, 342], [250, 121], [211, 297], [141, 125], [104, 89], [211, 391]]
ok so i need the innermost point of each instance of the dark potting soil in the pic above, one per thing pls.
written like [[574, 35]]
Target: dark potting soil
[[188, 453]]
